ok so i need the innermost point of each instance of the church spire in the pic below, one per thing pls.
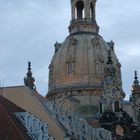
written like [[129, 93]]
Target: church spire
[[83, 16], [135, 86], [110, 69], [29, 79]]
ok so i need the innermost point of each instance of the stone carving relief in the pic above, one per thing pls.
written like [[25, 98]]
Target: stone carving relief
[[111, 44], [74, 42], [95, 41], [51, 67], [57, 46], [72, 47]]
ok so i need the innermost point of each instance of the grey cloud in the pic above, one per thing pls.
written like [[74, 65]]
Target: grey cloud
[[29, 29]]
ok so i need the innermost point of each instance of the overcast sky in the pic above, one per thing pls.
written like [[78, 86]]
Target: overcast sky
[[29, 29]]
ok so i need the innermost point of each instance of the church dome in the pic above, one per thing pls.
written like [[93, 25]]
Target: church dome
[[78, 63]]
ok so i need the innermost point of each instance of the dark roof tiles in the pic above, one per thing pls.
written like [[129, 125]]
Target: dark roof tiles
[[10, 126]]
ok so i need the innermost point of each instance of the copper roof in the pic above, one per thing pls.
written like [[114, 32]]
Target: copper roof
[[10, 126]]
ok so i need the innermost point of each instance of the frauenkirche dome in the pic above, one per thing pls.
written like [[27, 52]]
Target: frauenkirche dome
[[78, 65]]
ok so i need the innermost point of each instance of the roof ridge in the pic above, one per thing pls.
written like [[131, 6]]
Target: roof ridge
[[13, 86]]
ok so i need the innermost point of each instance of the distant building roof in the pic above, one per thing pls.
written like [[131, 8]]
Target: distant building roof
[[40, 97], [94, 123], [31, 101], [10, 127]]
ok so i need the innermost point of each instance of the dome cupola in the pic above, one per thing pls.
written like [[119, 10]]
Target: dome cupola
[[83, 16]]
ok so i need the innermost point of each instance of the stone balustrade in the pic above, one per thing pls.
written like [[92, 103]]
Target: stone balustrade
[[77, 127]]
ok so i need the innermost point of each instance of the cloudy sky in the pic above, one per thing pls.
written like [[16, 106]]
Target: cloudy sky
[[29, 29]]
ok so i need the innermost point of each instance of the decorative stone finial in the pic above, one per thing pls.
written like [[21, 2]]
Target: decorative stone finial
[[135, 86], [110, 69], [136, 81], [29, 80], [29, 66], [109, 62], [111, 44]]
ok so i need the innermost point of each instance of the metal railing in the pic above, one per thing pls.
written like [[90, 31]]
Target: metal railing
[[36, 129]]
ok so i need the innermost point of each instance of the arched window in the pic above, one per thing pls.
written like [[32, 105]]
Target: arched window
[[117, 107], [98, 67], [91, 11], [101, 110], [80, 10]]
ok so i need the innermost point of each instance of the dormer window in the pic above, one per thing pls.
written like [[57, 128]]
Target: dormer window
[[70, 67]]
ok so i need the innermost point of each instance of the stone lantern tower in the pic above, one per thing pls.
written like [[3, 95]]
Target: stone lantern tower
[[76, 72], [83, 16]]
